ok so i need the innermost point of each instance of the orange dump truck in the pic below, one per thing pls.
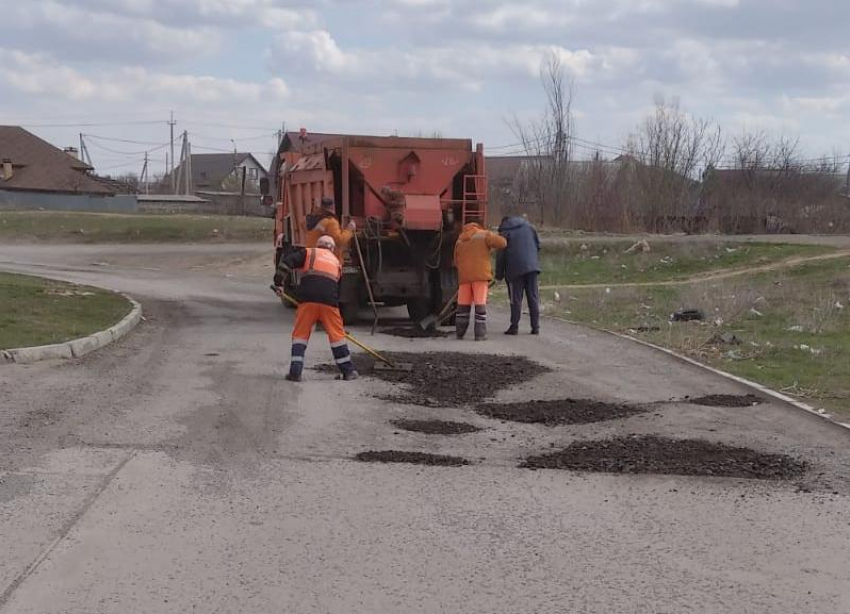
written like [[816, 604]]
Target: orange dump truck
[[409, 198]]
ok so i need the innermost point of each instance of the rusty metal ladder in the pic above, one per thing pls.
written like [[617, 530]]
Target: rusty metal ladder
[[475, 199]]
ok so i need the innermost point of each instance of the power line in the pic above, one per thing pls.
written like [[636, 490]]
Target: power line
[[94, 124]]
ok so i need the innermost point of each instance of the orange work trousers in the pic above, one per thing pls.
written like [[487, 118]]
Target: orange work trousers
[[473, 293], [310, 313]]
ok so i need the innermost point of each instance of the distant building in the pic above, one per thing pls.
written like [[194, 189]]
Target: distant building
[[36, 175], [31, 164], [223, 172]]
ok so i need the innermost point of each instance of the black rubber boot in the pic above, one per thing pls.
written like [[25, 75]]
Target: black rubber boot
[[462, 320], [480, 322]]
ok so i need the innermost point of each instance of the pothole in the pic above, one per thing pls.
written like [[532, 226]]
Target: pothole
[[449, 379], [561, 411], [414, 332], [727, 400], [436, 427], [660, 455], [416, 458]]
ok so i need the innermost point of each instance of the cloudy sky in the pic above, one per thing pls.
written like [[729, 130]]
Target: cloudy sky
[[234, 71]]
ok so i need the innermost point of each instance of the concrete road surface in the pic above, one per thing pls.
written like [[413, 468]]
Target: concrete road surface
[[176, 471]]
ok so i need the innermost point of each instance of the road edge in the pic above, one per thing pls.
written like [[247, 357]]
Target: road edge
[[76, 348], [735, 378]]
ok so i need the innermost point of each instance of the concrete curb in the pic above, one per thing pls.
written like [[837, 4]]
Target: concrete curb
[[740, 380], [76, 347]]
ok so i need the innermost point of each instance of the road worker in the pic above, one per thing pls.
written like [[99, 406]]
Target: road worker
[[324, 223], [472, 259], [318, 294], [519, 266]]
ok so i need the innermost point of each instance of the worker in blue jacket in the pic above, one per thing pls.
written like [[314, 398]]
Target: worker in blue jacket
[[519, 265]]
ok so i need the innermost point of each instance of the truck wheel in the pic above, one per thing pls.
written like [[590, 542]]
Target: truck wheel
[[349, 312], [289, 290], [418, 308]]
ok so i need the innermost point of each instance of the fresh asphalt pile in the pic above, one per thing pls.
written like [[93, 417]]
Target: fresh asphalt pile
[[414, 332], [562, 411], [653, 454], [451, 379], [726, 400], [416, 458], [435, 427]]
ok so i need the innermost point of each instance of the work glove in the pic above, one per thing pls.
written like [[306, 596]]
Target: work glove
[[278, 280], [352, 226]]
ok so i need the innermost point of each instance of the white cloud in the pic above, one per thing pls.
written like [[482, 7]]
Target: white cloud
[[42, 76], [70, 30], [468, 66]]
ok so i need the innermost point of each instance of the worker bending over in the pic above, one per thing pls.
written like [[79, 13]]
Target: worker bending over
[[472, 259], [324, 223], [318, 293]]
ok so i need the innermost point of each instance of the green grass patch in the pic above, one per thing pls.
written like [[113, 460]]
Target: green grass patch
[[788, 329], [65, 227], [576, 262], [35, 311]]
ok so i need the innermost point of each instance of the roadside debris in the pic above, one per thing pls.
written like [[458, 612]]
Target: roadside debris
[[642, 246], [660, 455], [687, 315], [726, 338]]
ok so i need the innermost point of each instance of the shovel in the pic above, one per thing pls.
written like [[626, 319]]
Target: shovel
[[384, 365], [431, 322]]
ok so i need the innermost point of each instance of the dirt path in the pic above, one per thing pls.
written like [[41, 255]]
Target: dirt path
[[712, 275]]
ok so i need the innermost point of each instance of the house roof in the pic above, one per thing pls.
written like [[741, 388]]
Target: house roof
[[209, 170], [39, 166]]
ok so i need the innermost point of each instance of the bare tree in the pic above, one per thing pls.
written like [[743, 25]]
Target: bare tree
[[547, 144], [673, 149]]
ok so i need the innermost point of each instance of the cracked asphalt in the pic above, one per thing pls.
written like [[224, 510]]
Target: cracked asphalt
[[176, 471]]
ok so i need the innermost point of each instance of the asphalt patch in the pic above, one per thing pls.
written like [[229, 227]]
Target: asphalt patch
[[449, 379], [436, 427], [414, 332], [659, 455], [416, 458], [727, 400], [554, 413]]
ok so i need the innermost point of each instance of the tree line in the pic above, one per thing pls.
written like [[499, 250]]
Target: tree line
[[674, 173]]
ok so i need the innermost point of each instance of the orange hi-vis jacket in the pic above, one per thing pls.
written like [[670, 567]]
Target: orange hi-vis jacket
[[320, 272], [329, 225], [321, 262], [472, 253]]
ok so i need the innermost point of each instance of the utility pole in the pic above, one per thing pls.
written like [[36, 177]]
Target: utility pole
[[847, 185], [188, 145], [143, 177], [84, 152], [171, 124], [181, 169]]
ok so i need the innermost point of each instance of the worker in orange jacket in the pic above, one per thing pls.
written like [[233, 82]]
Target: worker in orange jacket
[[318, 295], [472, 259], [324, 223]]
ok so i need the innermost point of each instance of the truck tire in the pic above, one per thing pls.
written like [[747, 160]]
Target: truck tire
[[349, 312], [289, 290], [418, 308]]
